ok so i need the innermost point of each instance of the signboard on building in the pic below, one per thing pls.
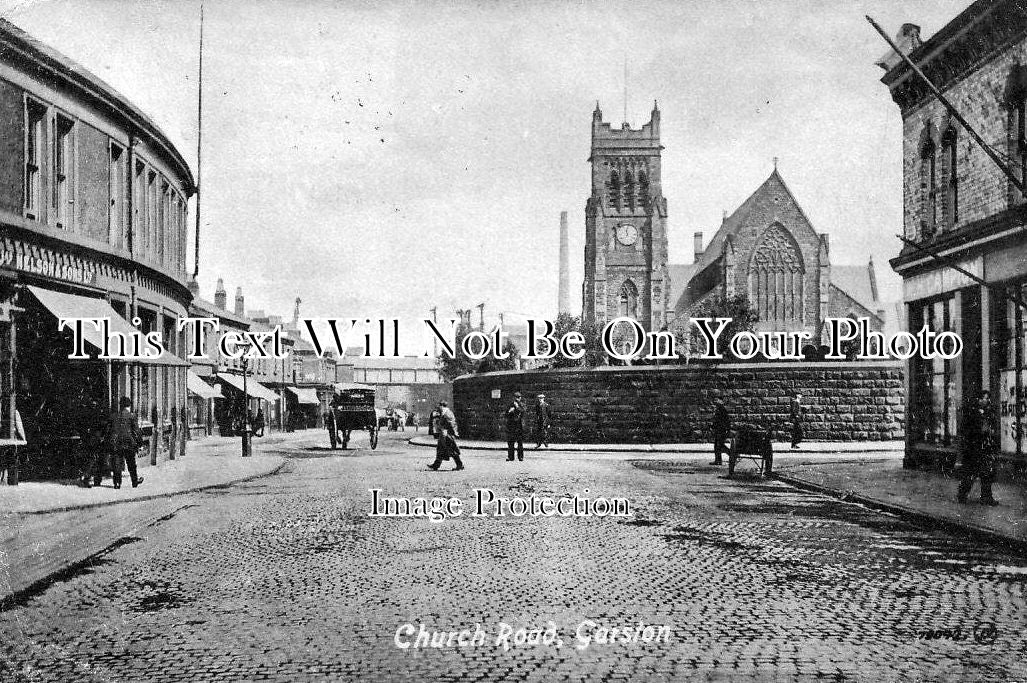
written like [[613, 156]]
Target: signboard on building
[[1012, 406], [497, 393], [47, 263]]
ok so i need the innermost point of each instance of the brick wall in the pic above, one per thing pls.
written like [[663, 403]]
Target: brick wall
[[861, 401], [980, 98]]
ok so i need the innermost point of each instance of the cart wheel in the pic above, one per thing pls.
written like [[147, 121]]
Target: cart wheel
[[374, 438]]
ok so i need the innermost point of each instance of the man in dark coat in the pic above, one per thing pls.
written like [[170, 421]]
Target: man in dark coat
[[798, 411], [721, 427], [445, 432], [515, 428], [543, 422], [978, 445], [124, 438]]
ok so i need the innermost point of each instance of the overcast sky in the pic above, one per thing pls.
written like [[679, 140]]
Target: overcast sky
[[377, 158]]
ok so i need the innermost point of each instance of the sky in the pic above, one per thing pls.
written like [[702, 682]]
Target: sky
[[381, 158]]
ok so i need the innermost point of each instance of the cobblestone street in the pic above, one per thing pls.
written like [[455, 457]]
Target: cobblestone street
[[287, 578]]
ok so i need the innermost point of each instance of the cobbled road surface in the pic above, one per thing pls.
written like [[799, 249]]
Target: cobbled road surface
[[288, 579]]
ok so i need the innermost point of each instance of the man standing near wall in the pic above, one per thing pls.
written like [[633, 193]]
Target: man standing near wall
[[543, 422], [798, 410], [515, 428], [721, 427]]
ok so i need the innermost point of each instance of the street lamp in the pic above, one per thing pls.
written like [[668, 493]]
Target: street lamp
[[245, 347]]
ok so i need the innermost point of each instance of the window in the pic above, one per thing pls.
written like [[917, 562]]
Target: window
[[613, 189], [35, 137], [629, 190], [1018, 139], [151, 214], [116, 219], [936, 396], [949, 152], [163, 222], [63, 163], [137, 233], [776, 279], [928, 186], [629, 300]]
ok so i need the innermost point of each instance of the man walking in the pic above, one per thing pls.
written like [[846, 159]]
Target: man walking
[[543, 422], [721, 426], [515, 429], [123, 438], [798, 411], [978, 446], [445, 433]]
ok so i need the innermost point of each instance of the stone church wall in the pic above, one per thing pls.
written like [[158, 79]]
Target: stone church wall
[[855, 401]]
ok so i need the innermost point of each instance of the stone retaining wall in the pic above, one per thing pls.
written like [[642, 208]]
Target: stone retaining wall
[[848, 401]]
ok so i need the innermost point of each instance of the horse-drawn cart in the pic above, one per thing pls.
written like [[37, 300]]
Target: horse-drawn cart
[[352, 407]]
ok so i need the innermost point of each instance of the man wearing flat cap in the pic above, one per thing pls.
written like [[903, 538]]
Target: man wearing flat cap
[[515, 428], [543, 422]]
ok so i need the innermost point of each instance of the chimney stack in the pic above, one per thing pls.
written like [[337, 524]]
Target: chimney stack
[[698, 246], [240, 309], [220, 295], [564, 296]]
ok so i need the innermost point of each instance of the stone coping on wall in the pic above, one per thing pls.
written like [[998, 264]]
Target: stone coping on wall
[[708, 365]]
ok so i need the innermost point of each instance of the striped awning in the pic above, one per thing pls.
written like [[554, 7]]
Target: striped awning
[[65, 306]]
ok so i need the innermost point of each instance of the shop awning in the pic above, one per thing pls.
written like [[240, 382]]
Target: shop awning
[[352, 386], [253, 388], [305, 395], [201, 388], [72, 306]]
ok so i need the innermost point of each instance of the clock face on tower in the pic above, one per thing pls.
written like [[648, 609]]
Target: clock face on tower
[[627, 234]]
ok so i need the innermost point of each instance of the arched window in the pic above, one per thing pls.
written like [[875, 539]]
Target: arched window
[[1016, 145], [776, 279], [629, 300], [928, 184], [643, 188], [613, 189], [949, 158]]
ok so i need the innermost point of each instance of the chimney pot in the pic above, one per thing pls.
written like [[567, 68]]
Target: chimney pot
[[698, 246]]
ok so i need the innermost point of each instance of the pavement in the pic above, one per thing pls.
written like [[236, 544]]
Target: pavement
[[290, 578], [870, 473], [52, 527], [925, 496], [214, 461]]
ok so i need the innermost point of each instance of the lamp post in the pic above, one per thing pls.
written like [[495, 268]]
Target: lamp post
[[245, 348]]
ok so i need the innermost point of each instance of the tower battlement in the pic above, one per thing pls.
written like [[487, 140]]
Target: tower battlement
[[625, 139]]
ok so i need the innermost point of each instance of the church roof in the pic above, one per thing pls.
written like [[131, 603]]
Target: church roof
[[855, 281], [736, 219]]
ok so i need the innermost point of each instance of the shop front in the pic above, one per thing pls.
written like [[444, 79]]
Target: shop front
[[242, 398], [63, 402], [304, 407]]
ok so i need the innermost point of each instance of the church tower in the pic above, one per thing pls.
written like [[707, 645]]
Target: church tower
[[626, 226]]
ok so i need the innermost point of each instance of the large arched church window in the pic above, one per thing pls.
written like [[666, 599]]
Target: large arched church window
[[629, 300], [776, 279]]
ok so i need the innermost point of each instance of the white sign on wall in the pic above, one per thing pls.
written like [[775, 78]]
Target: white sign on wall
[[1012, 406], [497, 393]]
